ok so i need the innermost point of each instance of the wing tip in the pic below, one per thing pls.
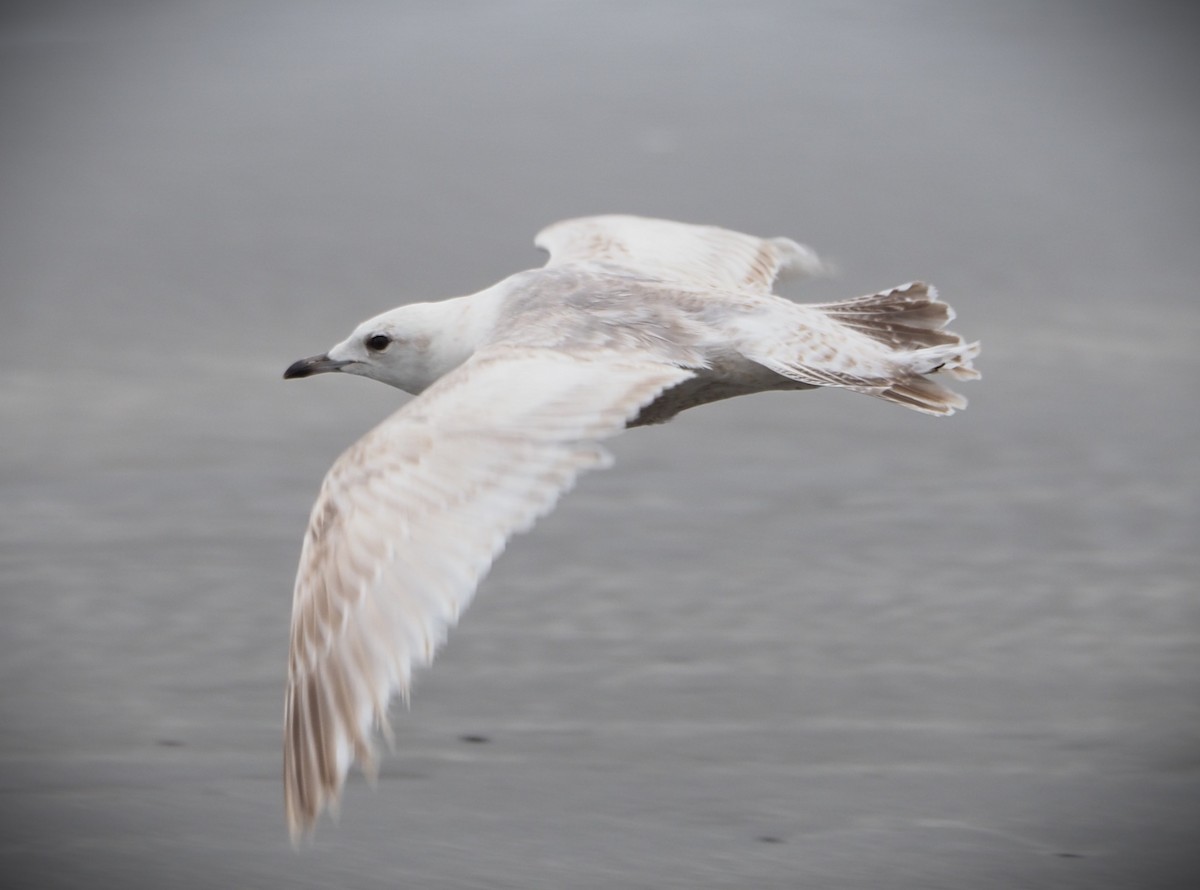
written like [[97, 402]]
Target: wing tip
[[798, 260]]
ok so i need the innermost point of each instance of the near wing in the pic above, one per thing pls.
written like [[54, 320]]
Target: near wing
[[696, 256], [410, 518]]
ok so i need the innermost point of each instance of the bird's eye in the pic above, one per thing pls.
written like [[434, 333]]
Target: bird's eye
[[378, 342]]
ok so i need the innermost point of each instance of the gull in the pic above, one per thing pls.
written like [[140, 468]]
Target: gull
[[629, 322]]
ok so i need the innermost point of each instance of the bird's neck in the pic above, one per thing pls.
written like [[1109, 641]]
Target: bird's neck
[[465, 324]]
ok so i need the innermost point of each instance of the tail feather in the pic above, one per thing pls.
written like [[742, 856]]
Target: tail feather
[[883, 345], [920, 394], [906, 317], [911, 320], [955, 359]]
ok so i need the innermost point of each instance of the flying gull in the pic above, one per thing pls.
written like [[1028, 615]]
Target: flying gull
[[629, 322]]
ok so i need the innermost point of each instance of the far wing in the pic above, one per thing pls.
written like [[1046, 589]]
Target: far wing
[[408, 521], [695, 256]]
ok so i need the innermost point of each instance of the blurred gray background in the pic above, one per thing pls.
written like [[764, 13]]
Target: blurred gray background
[[799, 640]]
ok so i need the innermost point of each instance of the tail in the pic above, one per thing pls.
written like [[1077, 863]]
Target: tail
[[884, 345], [910, 319]]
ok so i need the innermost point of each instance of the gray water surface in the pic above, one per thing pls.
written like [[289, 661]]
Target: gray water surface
[[800, 640]]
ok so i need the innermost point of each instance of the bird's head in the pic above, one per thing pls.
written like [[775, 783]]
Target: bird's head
[[409, 348]]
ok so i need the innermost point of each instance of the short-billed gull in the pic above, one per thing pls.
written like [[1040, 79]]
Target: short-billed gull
[[629, 322]]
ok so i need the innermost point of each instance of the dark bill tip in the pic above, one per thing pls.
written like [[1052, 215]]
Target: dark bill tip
[[317, 364]]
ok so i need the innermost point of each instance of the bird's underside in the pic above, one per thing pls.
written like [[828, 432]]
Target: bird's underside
[[702, 389], [631, 322]]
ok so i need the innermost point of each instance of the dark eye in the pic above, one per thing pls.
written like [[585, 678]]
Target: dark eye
[[378, 342]]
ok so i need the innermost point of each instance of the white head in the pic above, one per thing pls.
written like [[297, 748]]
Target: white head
[[409, 347]]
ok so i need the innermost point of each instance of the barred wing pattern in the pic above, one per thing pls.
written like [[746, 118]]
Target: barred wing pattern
[[407, 523]]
